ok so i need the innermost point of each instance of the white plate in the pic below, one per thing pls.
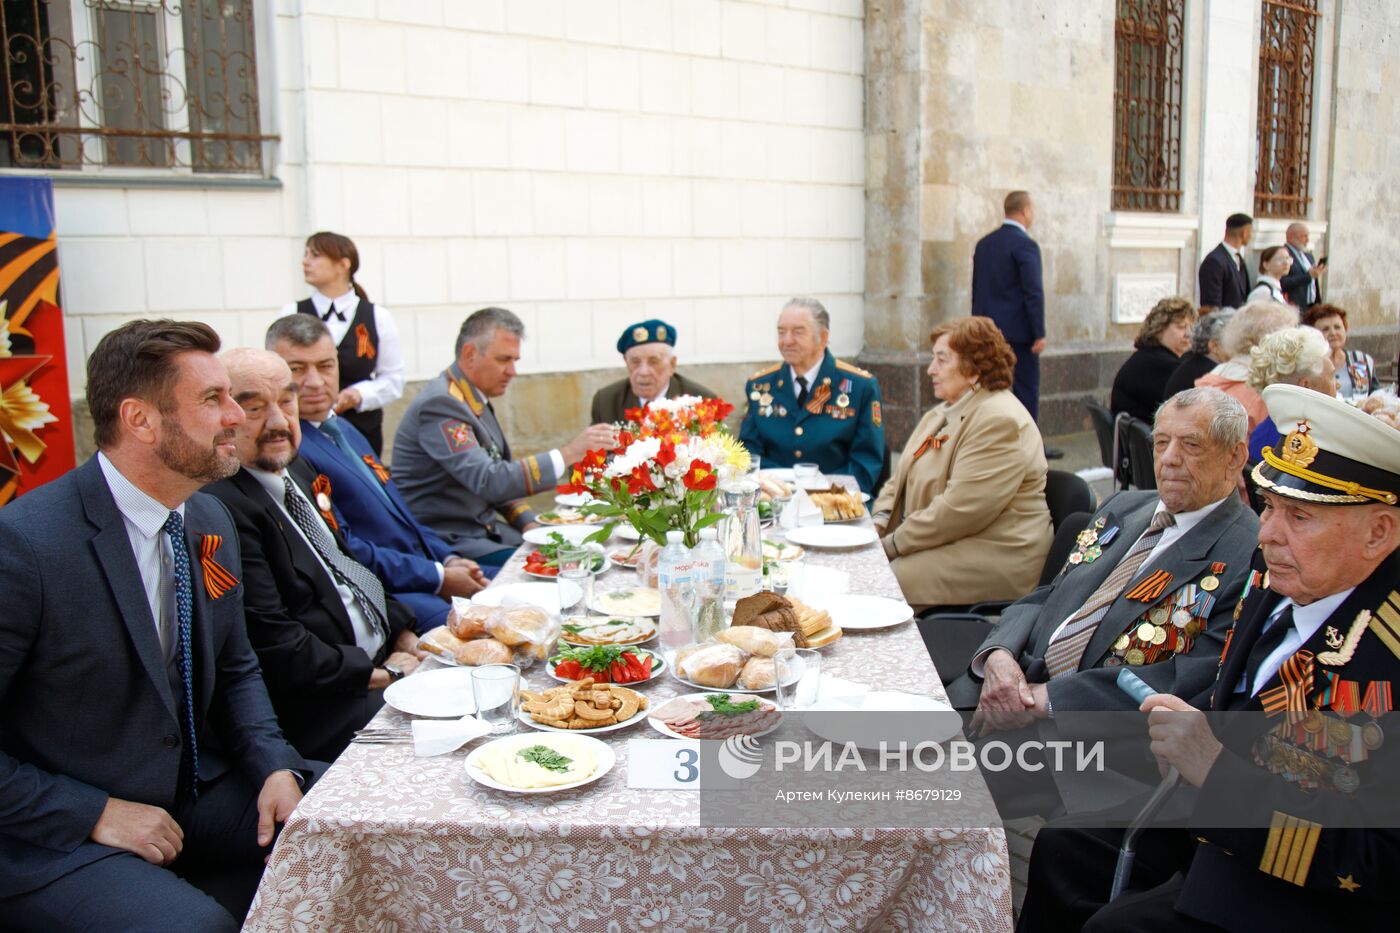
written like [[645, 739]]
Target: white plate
[[854, 612], [607, 565], [565, 637], [439, 694], [573, 500], [606, 759], [626, 532], [544, 595], [670, 733], [781, 474], [832, 536], [865, 720], [691, 683], [573, 533], [603, 607], [641, 714], [658, 667]]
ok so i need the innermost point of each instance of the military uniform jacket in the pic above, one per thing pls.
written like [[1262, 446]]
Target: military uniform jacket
[[613, 399], [839, 428], [453, 465], [1299, 874], [970, 490]]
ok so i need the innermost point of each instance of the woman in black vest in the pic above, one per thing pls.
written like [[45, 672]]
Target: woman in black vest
[[370, 353]]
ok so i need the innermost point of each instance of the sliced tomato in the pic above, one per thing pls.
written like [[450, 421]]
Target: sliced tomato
[[646, 667], [603, 676], [569, 670], [619, 672], [634, 667]]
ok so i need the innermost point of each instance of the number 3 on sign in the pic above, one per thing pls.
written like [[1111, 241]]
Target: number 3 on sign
[[663, 764]]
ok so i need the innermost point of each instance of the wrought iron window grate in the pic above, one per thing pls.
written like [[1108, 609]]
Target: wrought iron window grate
[[1287, 46], [146, 84], [1148, 39]]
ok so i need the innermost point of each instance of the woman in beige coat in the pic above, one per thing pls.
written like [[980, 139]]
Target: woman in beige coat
[[964, 518]]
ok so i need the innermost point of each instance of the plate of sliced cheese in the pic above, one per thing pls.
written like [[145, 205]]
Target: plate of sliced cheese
[[539, 764]]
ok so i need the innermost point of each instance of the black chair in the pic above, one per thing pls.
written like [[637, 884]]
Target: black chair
[[952, 638], [1112, 451], [1065, 494], [1139, 444]]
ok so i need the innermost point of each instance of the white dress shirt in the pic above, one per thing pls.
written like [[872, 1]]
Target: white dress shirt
[[386, 384], [1015, 223], [367, 634], [1306, 621], [1268, 288], [1235, 254], [810, 375], [145, 520]]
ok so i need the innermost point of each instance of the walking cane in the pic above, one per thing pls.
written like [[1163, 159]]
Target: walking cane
[[1135, 687]]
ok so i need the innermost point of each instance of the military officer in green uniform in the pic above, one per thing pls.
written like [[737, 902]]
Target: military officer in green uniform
[[1294, 822], [649, 350], [812, 407], [452, 462]]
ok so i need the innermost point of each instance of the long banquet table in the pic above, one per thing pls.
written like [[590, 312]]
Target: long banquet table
[[389, 841]]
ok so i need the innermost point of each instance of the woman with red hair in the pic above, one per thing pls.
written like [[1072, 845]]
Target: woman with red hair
[[964, 518]]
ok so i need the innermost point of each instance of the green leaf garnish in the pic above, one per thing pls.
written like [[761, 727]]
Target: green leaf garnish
[[545, 757], [724, 705]]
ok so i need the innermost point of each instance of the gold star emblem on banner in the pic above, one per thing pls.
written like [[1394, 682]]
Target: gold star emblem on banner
[[1347, 884]]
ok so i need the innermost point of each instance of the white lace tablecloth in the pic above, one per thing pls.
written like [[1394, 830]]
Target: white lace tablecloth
[[387, 841]]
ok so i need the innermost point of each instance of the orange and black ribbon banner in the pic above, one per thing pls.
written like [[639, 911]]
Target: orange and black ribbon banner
[[217, 580], [1151, 587], [364, 347], [930, 443], [819, 396], [1292, 696], [36, 422], [321, 489], [380, 470]]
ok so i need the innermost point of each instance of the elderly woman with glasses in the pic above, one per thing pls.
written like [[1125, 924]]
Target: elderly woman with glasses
[[1164, 337], [964, 518], [1356, 370]]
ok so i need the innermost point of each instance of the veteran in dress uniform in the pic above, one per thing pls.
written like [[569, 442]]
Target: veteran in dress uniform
[[649, 350], [452, 461], [812, 407], [1315, 654]]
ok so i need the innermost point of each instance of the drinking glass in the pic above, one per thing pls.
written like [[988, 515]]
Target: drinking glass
[[496, 691], [797, 673], [806, 475], [755, 464], [575, 579], [786, 576]]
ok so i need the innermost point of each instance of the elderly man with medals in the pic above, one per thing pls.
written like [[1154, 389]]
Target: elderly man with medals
[[1294, 822]]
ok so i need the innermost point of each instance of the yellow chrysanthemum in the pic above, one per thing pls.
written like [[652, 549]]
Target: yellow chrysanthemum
[[736, 455]]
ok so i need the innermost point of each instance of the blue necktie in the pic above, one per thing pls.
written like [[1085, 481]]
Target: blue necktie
[[332, 429], [184, 614]]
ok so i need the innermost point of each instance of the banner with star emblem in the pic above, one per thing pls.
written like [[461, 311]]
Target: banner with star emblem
[[36, 419]]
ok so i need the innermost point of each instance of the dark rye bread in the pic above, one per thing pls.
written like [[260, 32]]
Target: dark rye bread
[[782, 620], [748, 608]]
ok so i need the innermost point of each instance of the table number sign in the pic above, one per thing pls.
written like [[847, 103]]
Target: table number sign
[[663, 764]]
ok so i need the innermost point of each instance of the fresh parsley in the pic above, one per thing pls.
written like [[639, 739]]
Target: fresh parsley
[[723, 704], [595, 657], [545, 757]]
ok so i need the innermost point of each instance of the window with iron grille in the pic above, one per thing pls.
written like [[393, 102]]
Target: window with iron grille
[[1287, 45], [1147, 44], [131, 84]]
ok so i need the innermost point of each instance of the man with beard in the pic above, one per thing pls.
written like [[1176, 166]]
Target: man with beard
[[328, 638], [141, 766]]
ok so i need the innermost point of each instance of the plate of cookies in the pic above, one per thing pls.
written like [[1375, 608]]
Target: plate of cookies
[[584, 706]]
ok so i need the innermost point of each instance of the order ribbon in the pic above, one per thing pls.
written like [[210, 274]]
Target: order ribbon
[[321, 486], [217, 580], [1292, 696], [380, 470], [364, 348]]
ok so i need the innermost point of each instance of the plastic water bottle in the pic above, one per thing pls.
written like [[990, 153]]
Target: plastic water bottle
[[674, 579], [743, 540], [709, 561]]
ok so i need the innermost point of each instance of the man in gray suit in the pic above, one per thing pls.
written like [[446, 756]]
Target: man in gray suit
[[452, 462], [141, 766], [1172, 560]]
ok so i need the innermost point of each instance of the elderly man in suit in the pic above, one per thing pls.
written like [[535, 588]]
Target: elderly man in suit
[[1223, 280], [421, 570], [140, 759], [1293, 811], [452, 460], [649, 350], [1303, 283], [1150, 585], [328, 637]]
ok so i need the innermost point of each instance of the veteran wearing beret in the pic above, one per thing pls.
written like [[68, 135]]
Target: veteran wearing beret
[[649, 350], [812, 407], [1294, 813]]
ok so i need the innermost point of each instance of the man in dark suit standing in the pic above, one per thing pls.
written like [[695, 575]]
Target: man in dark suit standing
[[1223, 281], [1303, 283], [328, 638], [419, 568], [141, 765], [1006, 287]]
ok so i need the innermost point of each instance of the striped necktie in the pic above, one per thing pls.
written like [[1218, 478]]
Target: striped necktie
[[1067, 650], [368, 591], [184, 618]]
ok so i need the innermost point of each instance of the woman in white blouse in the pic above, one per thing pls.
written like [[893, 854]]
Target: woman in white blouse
[[367, 340], [1274, 264]]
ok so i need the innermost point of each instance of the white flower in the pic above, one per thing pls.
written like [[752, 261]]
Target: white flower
[[675, 404]]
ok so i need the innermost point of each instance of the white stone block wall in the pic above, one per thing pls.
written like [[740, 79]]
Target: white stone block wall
[[587, 163]]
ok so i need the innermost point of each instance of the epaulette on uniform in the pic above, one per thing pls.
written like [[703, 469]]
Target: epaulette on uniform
[[764, 372], [852, 368]]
